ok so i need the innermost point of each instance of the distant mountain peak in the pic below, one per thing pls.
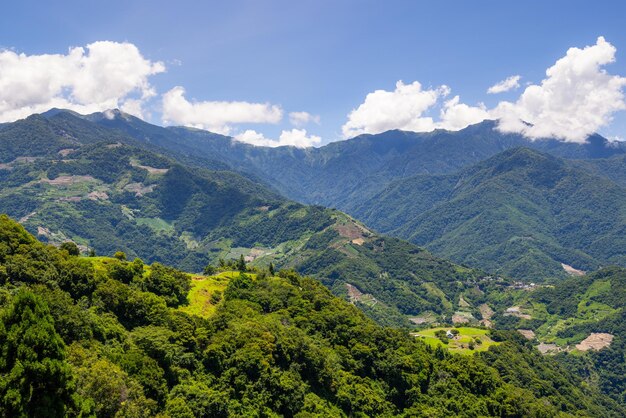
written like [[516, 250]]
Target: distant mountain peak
[[110, 114], [55, 111]]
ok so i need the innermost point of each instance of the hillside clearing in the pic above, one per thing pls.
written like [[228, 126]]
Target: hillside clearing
[[460, 343], [595, 341]]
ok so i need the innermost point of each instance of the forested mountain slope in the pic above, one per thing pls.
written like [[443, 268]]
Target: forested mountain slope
[[110, 194], [520, 213], [344, 172], [580, 320], [104, 337]]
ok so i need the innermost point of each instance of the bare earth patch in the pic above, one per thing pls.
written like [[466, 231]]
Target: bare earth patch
[[418, 320], [67, 151], [45, 232], [116, 145], [151, 170], [353, 293], [571, 270], [462, 317], [516, 311], [70, 199], [463, 303], [256, 253], [486, 312], [98, 196], [26, 159], [67, 180], [529, 334], [139, 188], [9, 165], [595, 341], [353, 231], [545, 348]]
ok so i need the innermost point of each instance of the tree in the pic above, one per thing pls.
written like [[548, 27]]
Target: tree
[[271, 268], [70, 247], [35, 379], [120, 255], [138, 266], [241, 264], [209, 270], [171, 284]]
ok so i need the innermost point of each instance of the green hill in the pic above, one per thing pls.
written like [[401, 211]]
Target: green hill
[[115, 194], [580, 320], [343, 173], [520, 213], [107, 337]]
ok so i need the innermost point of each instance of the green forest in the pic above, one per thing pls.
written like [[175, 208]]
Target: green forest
[[107, 337]]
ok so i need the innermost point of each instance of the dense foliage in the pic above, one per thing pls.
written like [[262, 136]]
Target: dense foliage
[[567, 314], [97, 341], [520, 213], [510, 222], [594, 303], [109, 194]]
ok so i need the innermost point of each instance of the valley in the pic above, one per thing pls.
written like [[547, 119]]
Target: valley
[[501, 219], [312, 209]]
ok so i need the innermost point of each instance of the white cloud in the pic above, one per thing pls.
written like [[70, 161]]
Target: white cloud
[[215, 116], [298, 138], [455, 116], [299, 119], [295, 137], [575, 99], [101, 76], [402, 108], [505, 85]]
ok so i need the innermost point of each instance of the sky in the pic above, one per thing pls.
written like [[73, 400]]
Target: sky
[[306, 73]]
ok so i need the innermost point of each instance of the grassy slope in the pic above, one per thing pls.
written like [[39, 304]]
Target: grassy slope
[[459, 344], [202, 289]]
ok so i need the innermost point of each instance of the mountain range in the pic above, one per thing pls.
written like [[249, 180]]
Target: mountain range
[[521, 213], [395, 182], [507, 211], [486, 200], [108, 192]]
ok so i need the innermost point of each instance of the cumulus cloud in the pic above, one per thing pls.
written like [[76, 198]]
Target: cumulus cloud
[[455, 116], [402, 108], [575, 99], [509, 83], [295, 137], [103, 75], [299, 119], [215, 116]]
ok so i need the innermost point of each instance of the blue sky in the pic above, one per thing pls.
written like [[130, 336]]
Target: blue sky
[[324, 57]]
